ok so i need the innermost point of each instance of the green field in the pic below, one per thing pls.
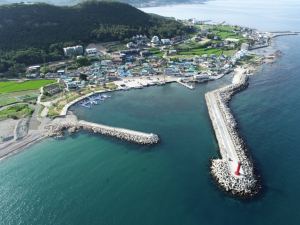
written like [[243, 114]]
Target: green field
[[6, 99], [16, 111], [4, 84], [202, 51], [28, 85]]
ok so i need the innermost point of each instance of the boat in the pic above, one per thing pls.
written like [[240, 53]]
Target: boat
[[138, 87], [94, 102], [127, 89], [80, 102], [161, 83]]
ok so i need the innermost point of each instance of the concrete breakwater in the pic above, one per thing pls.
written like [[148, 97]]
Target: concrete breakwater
[[56, 130], [234, 172]]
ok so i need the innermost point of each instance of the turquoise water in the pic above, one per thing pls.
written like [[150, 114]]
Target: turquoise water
[[93, 179]]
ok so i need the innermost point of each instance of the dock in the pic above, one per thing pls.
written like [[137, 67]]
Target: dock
[[186, 85], [92, 99]]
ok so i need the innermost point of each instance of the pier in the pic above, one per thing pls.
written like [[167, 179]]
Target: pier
[[92, 99], [186, 85], [234, 171]]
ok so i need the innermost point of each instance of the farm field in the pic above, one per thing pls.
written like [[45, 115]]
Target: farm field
[[6, 99], [4, 84], [28, 85], [202, 51]]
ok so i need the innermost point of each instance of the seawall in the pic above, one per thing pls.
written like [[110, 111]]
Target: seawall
[[57, 129], [238, 182]]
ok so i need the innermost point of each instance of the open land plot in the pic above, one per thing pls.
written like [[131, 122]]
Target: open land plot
[[26, 92], [26, 85], [229, 53], [6, 99], [16, 111]]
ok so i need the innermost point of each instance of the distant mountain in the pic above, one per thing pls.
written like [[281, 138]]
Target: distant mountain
[[29, 33], [75, 2]]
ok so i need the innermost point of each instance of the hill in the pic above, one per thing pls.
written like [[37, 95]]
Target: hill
[[29, 33]]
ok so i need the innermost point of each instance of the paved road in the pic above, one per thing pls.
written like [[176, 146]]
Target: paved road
[[223, 132]]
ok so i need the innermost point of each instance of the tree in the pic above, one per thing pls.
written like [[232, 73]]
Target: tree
[[82, 61], [82, 76]]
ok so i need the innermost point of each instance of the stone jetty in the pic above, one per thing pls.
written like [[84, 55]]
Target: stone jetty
[[234, 171], [56, 130]]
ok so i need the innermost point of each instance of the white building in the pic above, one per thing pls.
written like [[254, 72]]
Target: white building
[[131, 45], [91, 51], [74, 50], [155, 39], [244, 46], [166, 41]]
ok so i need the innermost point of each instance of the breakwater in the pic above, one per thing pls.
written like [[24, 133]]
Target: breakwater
[[56, 130], [234, 171]]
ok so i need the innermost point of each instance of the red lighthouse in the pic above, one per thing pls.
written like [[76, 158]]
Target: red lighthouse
[[237, 172]]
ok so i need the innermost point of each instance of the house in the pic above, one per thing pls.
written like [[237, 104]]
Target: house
[[166, 41], [155, 39], [51, 75], [177, 38], [60, 72], [131, 45], [216, 38], [172, 51], [54, 91], [201, 77], [117, 61], [91, 52], [204, 31], [31, 75], [244, 46], [145, 53]]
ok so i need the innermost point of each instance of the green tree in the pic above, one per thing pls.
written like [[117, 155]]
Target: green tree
[[82, 76], [82, 61]]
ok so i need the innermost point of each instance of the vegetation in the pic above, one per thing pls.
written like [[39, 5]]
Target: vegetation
[[6, 99], [60, 107], [16, 112], [52, 111], [41, 110], [111, 85], [26, 85], [31, 33]]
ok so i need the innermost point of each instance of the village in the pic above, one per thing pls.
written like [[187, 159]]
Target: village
[[208, 53]]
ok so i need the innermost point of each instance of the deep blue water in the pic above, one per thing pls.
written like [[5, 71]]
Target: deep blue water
[[93, 179]]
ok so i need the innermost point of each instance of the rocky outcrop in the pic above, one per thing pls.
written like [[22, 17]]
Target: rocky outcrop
[[245, 185]]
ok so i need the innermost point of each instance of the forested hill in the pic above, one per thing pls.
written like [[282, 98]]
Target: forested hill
[[30, 32]]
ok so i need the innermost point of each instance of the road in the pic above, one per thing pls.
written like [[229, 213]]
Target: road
[[224, 133]]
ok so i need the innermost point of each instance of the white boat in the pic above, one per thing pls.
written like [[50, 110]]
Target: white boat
[[138, 87], [161, 83], [94, 103], [127, 89]]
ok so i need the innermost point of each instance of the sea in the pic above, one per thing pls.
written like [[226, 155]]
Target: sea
[[93, 179]]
